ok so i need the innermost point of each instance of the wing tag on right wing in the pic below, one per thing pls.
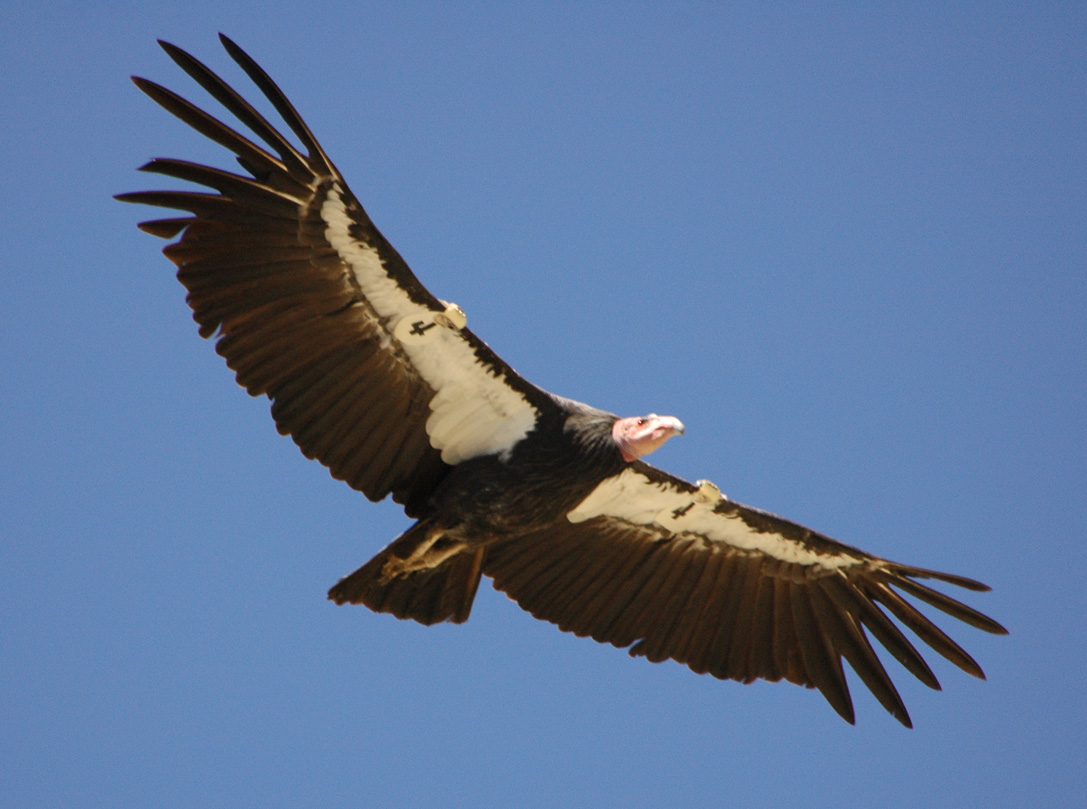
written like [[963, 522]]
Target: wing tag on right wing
[[420, 327]]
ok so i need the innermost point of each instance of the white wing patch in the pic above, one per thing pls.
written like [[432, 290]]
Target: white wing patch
[[473, 411], [632, 497]]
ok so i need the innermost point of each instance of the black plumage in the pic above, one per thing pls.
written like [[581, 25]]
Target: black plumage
[[384, 384]]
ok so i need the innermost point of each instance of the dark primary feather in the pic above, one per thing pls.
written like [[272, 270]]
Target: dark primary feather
[[290, 323], [293, 323], [732, 613]]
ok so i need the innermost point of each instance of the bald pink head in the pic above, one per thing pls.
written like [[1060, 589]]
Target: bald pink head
[[637, 436]]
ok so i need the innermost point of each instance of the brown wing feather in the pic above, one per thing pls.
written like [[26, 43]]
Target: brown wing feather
[[735, 613], [261, 276], [288, 307], [293, 324]]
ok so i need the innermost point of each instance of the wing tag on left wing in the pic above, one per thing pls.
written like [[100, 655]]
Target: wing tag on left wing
[[632, 497], [676, 519]]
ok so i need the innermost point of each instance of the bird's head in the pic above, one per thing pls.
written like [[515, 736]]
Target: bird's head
[[637, 436]]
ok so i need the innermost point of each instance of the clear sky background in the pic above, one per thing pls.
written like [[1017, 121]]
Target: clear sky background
[[846, 246]]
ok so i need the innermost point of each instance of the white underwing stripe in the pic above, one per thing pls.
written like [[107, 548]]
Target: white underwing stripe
[[632, 497], [474, 412]]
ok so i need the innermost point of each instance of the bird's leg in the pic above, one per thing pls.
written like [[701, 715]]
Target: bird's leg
[[435, 549]]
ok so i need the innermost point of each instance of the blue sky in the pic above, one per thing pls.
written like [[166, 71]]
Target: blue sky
[[845, 246]]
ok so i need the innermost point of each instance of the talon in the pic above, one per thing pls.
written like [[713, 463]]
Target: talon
[[428, 554]]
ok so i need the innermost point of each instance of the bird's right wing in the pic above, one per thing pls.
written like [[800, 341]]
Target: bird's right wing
[[369, 372]]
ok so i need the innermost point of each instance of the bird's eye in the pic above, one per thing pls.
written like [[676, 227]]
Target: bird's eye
[[641, 422]]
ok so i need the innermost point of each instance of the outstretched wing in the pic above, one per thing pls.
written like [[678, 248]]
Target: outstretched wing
[[682, 572], [368, 372]]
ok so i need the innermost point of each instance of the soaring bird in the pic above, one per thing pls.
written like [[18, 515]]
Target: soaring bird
[[384, 384]]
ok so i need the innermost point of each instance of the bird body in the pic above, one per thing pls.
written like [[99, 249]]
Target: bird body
[[385, 384]]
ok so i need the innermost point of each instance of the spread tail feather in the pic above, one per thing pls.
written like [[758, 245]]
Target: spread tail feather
[[421, 575]]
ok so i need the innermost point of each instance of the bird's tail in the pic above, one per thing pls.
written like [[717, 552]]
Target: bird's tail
[[422, 575]]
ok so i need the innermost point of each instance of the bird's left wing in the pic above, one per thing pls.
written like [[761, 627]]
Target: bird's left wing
[[682, 572], [369, 372]]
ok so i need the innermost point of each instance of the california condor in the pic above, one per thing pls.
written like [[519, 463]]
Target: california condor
[[384, 384]]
